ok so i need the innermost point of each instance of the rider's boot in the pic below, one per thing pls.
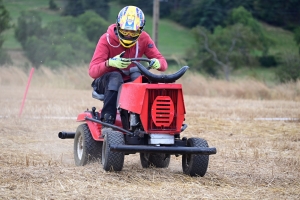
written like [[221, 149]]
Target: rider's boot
[[107, 119]]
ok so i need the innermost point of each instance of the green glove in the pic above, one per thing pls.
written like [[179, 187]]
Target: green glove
[[119, 62], [154, 63]]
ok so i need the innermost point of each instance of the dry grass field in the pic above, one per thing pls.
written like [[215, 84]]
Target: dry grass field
[[256, 158]]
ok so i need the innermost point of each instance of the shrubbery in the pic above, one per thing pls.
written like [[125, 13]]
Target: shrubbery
[[4, 25], [226, 48], [77, 7], [289, 68], [68, 41], [52, 5]]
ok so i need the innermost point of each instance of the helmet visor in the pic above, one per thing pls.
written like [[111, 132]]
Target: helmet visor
[[128, 33]]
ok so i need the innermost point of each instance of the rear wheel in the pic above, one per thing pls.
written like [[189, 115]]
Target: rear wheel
[[195, 164], [112, 160], [86, 149], [159, 160]]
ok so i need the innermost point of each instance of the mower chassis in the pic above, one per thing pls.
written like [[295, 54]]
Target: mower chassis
[[163, 149]]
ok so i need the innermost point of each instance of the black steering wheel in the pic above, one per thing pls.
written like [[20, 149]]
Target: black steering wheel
[[154, 78]]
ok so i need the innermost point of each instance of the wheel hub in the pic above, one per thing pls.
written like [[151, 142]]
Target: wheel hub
[[80, 147]]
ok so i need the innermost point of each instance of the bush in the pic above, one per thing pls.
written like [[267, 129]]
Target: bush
[[36, 50], [4, 18], [74, 8], [73, 50], [4, 58], [297, 37], [66, 41], [289, 69], [52, 5], [29, 24], [4, 25], [79, 7], [61, 27], [92, 25], [267, 61]]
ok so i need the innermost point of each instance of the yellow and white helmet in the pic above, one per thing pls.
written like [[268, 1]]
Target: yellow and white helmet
[[130, 24]]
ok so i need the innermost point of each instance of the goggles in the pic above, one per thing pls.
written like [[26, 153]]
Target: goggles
[[129, 33]]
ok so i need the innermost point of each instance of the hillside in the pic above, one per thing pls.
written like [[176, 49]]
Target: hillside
[[173, 39]]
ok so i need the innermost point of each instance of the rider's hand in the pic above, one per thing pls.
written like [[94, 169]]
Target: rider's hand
[[119, 62], [154, 63]]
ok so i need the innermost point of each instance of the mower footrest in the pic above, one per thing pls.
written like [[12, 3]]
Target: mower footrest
[[163, 149]]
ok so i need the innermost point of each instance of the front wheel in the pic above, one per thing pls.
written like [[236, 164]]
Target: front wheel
[[195, 164], [112, 160], [86, 149], [159, 160]]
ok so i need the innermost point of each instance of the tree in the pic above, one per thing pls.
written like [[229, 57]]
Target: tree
[[92, 25], [74, 8], [101, 7], [4, 18], [297, 36], [279, 13], [4, 25], [36, 50], [78, 7], [61, 27], [231, 46], [60, 43], [228, 47], [205, 13], [244, 17], [29, 24], [52, 5], [289, 69]]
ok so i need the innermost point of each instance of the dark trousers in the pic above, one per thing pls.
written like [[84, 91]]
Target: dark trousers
[[108, 84]]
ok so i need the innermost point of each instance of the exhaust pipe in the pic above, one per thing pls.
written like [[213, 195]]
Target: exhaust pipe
[[66, 135]]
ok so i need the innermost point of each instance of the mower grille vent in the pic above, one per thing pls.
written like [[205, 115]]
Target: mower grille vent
[[162, 109]]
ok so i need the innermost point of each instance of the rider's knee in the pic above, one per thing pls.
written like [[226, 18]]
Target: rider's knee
[[115, 81]]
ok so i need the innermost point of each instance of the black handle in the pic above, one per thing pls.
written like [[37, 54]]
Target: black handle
[[140, 59]]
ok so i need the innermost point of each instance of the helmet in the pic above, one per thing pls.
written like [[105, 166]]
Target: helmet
[[130, 24]]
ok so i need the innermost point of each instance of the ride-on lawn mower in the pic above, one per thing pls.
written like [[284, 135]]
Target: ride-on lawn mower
[[149, 121]]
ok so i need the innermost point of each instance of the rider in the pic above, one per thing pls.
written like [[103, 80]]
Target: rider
[[124, 39]]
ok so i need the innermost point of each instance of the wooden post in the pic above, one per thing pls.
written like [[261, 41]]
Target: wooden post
[[155, 21]]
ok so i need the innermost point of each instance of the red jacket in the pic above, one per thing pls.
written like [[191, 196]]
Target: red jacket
[[108, 47]]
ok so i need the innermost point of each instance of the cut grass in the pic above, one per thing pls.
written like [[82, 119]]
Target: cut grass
[[255, 159]]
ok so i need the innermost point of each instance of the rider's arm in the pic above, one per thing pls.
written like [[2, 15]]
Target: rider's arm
[[151, 51], [98, 64]]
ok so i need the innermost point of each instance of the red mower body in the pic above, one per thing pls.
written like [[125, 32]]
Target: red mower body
[[160, 106], [95, 128]]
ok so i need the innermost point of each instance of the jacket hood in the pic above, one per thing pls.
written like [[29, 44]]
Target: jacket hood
[[114, 40]]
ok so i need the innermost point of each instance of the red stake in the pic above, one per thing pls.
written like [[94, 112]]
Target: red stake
[[25, 94]]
